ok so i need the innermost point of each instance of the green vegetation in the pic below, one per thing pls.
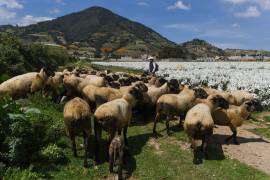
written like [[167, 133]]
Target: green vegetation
[[265, 130], [18, 58], [96, 27], [38, 120]]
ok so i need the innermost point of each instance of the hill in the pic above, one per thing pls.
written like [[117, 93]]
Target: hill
[[201, 48], [98, 28], [241, 52]]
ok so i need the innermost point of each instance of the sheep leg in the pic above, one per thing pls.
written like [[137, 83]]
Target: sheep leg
[[120, 166], [74, 146], [86, 148], [98, 132], [235, 137], [111, 161], [155, 123], [125, 135], [168, 124]]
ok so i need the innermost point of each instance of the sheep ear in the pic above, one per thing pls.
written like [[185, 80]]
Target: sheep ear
[[38, 76]]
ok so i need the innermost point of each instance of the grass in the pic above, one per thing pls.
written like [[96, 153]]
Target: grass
[[151, 158], [168, 161], [265, 131], [83, 64]]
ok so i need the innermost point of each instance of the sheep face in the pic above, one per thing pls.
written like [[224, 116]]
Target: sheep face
[[124, 81], [141, 86], [48, 71], [115, 85], [159, 82], [200, 93], [136, 93], [219, 101], [250, 105], [256, 105], [173, 86]]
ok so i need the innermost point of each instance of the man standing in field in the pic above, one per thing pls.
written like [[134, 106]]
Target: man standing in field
[[153, 66]]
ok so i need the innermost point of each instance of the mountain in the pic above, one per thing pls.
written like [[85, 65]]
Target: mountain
[[201, 48], [98, 28], [242, 52]]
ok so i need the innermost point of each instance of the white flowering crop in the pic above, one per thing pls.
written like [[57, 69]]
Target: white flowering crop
[[251, 76]]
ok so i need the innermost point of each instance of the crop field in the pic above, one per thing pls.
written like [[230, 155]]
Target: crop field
[[251, 76]]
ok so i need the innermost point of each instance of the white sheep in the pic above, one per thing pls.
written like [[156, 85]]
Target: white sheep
[[115, 115], [199, 124], [19, 86], [77, 118], [172, 105], [233, 117]]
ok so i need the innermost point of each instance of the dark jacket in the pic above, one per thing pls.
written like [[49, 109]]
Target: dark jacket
[[153, 67]]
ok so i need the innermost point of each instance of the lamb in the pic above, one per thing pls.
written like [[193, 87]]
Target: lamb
[[234, 117], [19, 86], [116, 155], [172, 105], [199, 124], [77, 118], [115, 115]]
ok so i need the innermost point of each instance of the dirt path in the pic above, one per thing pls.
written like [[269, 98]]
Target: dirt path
[[253, 149]]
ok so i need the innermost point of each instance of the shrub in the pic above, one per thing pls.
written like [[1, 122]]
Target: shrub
[[22, 174], [53, 153]]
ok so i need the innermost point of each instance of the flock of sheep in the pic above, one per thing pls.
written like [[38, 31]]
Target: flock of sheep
[[112, 98]]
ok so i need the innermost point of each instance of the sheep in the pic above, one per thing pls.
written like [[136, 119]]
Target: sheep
[[199, 124], [116, 115], [19, 86], [77, 118], [54, 85], [153, 93], [234, 117], [226, 95], [116, 154], [241, 96], [96, 80], [176, 105]]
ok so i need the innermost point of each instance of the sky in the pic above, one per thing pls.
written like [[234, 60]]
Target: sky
[[225, 23]]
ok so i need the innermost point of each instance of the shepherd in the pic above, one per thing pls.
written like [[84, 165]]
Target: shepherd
[[153, 66]]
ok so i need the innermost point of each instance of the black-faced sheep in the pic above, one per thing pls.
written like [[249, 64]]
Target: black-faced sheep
[[77, 118], [19, 86], [234, 117], [115, 115], [172, 105], [199, 124]]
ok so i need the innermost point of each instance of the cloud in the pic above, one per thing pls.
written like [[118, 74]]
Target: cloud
[[180, 5], [189, 27], [236, 1], [142, 3], [235, 25], [264, 4], [29, 19], [12, 4], [251, 11], [223, 45], [6, 16], [54, 11], [60, 2]]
